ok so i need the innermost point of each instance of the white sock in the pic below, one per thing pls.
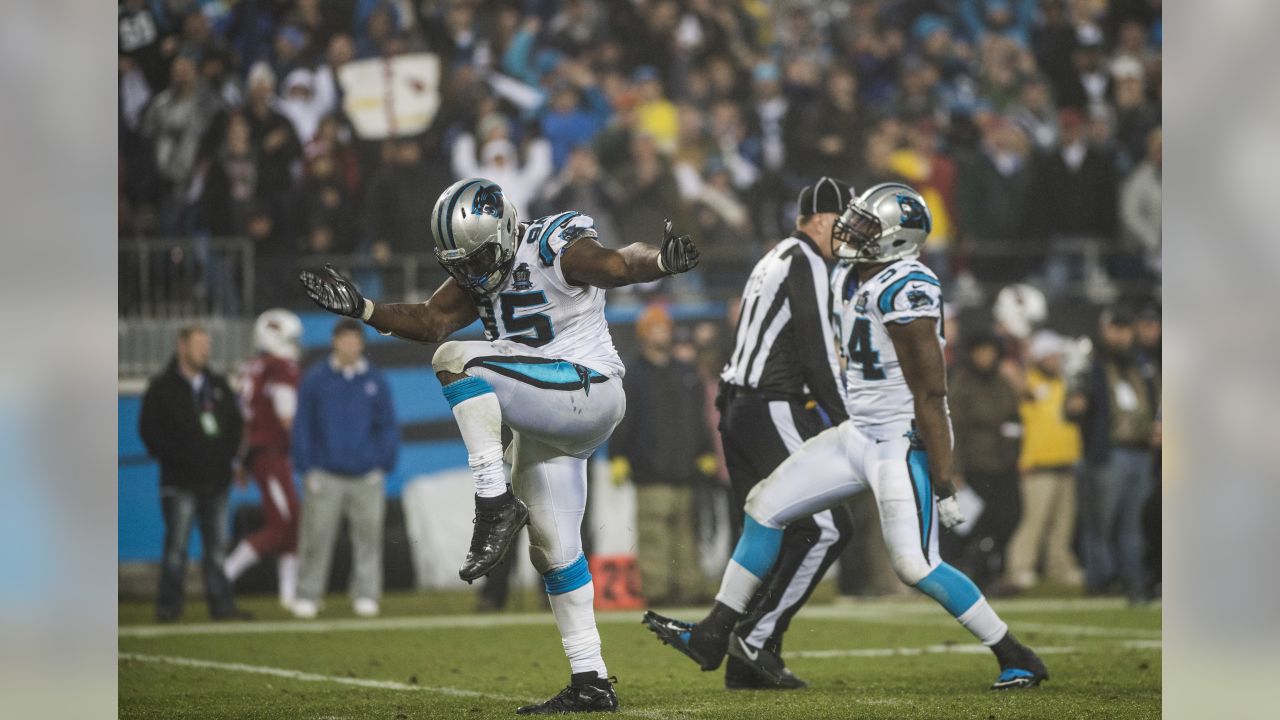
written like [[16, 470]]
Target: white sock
[[576, 618], [287, 569], [737, 587], [983, 622], [480, 420], [240, 559]]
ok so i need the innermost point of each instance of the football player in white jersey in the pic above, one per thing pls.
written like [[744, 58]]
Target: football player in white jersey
[[547, 369], [897, 441]]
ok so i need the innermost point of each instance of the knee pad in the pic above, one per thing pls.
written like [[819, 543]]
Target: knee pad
[[757, 506], [911, 566], [539, 556], [450, 357]]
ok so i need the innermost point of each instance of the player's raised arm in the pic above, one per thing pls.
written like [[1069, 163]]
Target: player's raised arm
[[448, 310], [925, 371], [587, 262]]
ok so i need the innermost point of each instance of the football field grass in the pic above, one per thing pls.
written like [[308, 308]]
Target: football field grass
[[428, 657]]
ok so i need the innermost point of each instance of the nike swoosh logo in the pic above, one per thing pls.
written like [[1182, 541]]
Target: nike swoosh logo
[[747, 649]]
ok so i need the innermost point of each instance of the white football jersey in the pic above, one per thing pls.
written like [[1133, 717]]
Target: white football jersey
[[537, 307], [875, 386]]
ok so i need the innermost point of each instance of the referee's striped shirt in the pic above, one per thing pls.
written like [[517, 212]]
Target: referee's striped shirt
[[784, 342]]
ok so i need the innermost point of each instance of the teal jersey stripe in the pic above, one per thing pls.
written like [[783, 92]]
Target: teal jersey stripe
[[544, 243]]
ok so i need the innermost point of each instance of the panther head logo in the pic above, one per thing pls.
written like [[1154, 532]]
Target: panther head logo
[[919, 299], [488, 201], [913, 213]]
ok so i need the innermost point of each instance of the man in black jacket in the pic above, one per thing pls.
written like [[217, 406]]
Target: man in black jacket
[[191, 425]]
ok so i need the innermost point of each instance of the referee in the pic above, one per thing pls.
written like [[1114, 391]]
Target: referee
[[783, 367]]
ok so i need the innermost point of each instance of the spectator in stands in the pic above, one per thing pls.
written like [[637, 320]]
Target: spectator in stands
[[1035, 114], [992, 194], [397, 219], [578, 111], [192, 427], [345, 441], [499, 160], [1050, 451], [1073, 203], [649, 192], [663, 446], [175, 123], [582, 185], [231, 182], [327, 209], [1140, 205], [988, 438], [1115, 404], [274, 140], [828, 130]]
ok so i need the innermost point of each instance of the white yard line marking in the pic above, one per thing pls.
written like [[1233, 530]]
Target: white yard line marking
[[313, 677], [356, 682], [884, 612], [956, 649]]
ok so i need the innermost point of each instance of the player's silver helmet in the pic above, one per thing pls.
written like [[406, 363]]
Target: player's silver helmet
[[475, 229], [886, 222]]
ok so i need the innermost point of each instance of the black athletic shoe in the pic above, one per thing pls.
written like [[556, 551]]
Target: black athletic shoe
[[697, 643], [586, 693], [1020, 667], [494, 531], [753, 668]]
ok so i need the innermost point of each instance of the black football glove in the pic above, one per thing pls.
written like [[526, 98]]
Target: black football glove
[[333, 292], [678, 253]]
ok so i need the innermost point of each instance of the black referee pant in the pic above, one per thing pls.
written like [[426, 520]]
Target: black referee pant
[[759, 431]]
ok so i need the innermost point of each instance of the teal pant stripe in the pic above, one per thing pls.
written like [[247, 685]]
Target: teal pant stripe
[[462, 390], [568, 578], [758, 547], [951, 588], [918, 463]]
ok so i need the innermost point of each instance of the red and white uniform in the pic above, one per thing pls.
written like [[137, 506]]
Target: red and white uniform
[[269, 399]]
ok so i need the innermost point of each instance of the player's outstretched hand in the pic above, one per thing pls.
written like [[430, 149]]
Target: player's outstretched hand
[[949, 512], [333, 292], [678, 253]]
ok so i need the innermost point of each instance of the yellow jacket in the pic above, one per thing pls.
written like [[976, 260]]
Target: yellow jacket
[[1049, 440]]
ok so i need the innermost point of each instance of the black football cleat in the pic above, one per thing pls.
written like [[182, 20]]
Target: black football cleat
[[494, 531], [695, 642], [753, 668], [1020, 667], [587, 693]]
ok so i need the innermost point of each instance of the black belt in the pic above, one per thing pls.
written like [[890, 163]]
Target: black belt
[[729, 391]]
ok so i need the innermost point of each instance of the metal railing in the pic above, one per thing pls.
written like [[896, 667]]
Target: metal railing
[[190, 277]]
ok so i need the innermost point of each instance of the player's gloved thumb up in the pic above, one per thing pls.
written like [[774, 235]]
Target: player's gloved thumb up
[[949, 513], [678, 253], [333, 292]]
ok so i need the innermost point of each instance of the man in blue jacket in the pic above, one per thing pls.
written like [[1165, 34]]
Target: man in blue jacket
[[345, 440]]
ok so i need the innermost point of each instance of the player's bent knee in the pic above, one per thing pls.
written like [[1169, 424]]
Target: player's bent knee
[[910, 567], [761, 507], [450, 357]]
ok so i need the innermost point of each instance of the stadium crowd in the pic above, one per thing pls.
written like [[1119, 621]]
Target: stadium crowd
[[1032, 127]]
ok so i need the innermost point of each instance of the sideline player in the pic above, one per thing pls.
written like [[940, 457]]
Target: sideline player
[[269, 399], [548, 370], [897, 442]]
